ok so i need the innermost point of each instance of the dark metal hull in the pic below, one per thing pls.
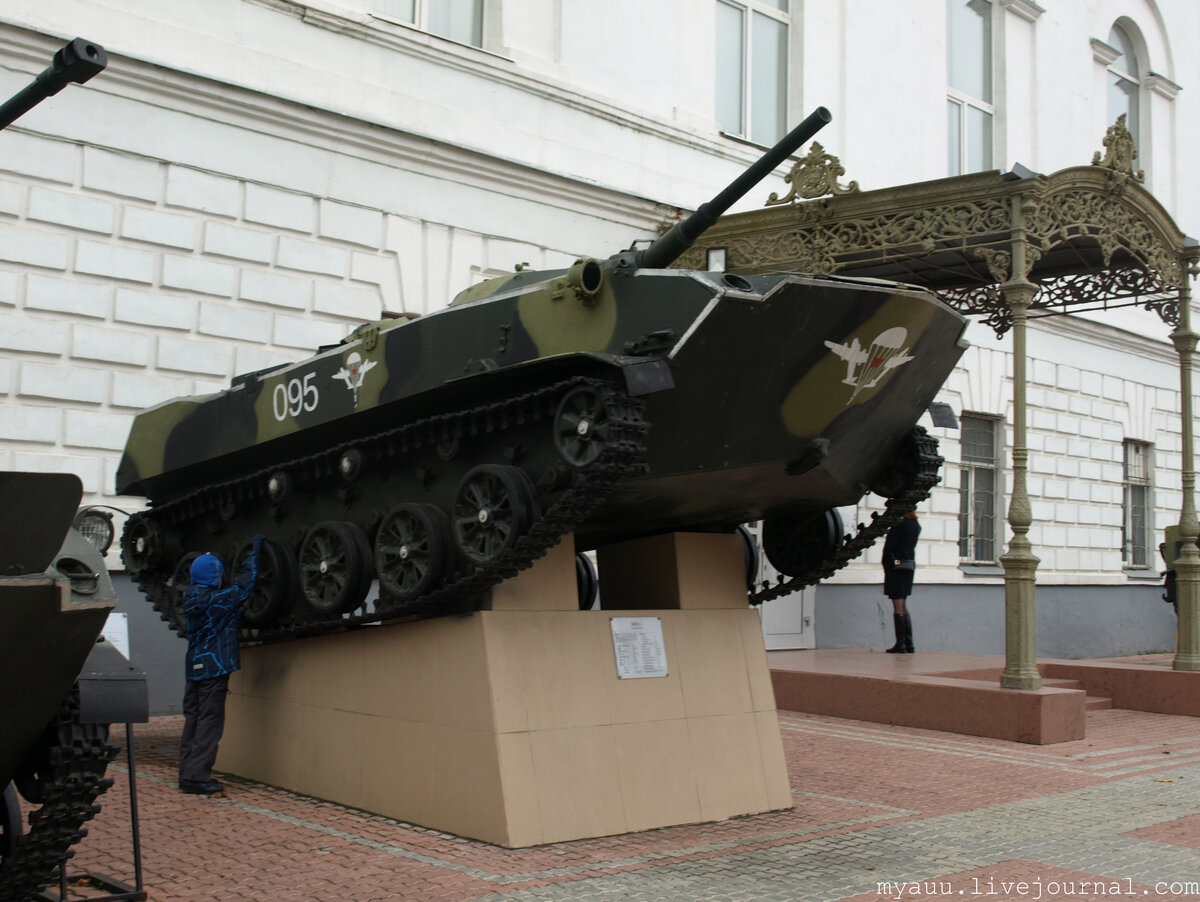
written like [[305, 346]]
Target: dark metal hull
[[727, 441], [54, 599]]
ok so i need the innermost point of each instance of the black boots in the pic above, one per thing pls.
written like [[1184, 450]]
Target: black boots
[[898, 622], [904, 643], [201, 787]]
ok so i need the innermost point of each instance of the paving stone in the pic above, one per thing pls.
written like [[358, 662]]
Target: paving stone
[[876, 806]]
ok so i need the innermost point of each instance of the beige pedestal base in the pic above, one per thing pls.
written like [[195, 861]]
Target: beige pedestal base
[[512, 726]]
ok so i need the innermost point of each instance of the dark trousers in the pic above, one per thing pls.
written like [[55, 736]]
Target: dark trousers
[[203, 724]]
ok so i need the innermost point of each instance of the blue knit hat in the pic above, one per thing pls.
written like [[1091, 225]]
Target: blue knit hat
[[207, 570]]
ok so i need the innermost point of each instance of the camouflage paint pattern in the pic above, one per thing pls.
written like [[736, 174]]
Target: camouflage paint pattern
[[758, 368]]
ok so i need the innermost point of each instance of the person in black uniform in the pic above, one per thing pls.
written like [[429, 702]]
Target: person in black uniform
[[899, 567]]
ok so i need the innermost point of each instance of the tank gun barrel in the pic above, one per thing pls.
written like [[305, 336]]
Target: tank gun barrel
[[667, 249], [76, 62]]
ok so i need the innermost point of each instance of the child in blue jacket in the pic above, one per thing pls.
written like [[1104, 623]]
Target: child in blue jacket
[[213, 617]]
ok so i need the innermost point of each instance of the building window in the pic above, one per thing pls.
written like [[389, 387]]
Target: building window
[[752, 66], [978, 489], [1124, 82], [1136, 542], [458, 20], [969, 77]]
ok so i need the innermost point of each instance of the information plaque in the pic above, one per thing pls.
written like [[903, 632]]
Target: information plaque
[[639, 648], [116, 631]]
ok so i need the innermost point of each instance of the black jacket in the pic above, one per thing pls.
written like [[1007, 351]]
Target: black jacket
[[900, 545], [901, 541]]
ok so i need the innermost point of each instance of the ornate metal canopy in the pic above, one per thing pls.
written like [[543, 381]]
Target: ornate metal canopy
[[1094, 237]]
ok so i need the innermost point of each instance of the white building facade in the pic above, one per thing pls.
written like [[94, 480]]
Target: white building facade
[[250, 179]]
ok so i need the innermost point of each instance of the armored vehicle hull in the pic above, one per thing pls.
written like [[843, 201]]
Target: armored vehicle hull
[[55, 596], [443, 453]]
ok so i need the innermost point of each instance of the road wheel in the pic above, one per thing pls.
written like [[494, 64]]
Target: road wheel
[[275, 589], [411, 550], [333, 572], [796, 543], [493, 508]]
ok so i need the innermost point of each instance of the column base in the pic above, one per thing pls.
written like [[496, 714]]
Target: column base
[[1020, 616]]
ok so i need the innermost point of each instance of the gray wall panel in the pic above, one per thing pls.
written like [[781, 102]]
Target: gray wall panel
[[153, 647], [1073, 621]]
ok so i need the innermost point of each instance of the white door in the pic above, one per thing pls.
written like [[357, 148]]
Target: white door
[[787, 622]]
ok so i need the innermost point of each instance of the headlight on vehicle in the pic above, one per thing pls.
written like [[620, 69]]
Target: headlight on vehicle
[[96, 526]]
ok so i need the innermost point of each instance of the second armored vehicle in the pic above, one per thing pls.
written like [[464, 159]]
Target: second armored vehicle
[[55, 597]]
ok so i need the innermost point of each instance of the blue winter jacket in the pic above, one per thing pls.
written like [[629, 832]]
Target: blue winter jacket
[[213, 615]]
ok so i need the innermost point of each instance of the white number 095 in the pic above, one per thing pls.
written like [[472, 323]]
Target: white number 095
[[293, 396]]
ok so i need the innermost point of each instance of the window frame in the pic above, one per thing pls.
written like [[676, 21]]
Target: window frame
[[968, 543], [1135, 484], [421, 19], [958, 146], [748, 9], [1134, 76]]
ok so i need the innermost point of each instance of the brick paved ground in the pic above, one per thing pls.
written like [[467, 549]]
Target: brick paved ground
[[929, 814]]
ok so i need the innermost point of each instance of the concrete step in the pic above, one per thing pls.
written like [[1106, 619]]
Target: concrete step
[[1061, 684], [1092, 703]]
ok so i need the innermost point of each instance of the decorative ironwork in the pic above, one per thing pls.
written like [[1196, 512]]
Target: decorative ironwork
[[981, 300], [812, 243], [814, 175], [1120, 151], [1079, 290], [1070, 215], [999, 263], [1099, 290], [799, 250], [920, 229], [1091, 236]]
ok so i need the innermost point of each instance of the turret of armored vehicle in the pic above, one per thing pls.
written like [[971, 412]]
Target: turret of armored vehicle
[[616, 399]]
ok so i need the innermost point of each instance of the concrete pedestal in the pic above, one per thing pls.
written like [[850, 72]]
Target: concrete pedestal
[[511, 725]]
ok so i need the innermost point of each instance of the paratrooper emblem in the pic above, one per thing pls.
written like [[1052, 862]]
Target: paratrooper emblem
[[353, 372]]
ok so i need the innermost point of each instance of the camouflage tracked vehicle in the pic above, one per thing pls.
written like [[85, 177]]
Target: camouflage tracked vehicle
[[55, 596], [612, 400]]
